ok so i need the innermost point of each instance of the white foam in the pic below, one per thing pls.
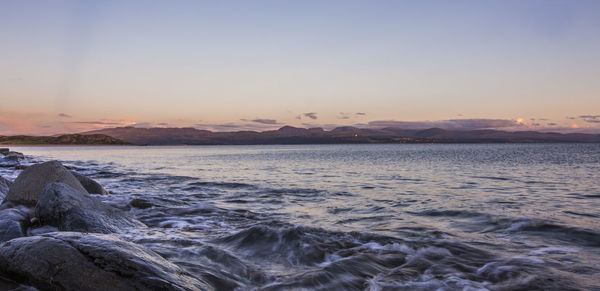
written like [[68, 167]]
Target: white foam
[[552, 250]]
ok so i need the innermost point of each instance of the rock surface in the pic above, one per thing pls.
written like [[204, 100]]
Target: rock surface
[[31, 182], [90, 185], [69, 209], [4, 186], [75, 261], [10, 161], [13, 222]]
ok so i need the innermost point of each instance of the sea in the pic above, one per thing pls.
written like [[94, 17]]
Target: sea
[[358, 217]]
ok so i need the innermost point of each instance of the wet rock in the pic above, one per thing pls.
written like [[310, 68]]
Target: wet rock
[[20, 167], [140, 203], [31, 182], [4, 151], [69, 209], [31, 231], [9, 161], [17, 155], [13, 222], [4, 186], [90, 185], [76, 261], [8, 284]]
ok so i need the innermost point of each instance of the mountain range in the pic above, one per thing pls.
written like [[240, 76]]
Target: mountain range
[[65, 139], [346, 134]]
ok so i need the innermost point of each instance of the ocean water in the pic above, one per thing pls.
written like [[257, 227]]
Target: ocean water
[[359, 217]]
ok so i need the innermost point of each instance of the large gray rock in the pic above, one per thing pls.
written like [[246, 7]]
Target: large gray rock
[[68, 209], [13, 222], [76, 261], [31, 182], [4, 186], [90, 185]]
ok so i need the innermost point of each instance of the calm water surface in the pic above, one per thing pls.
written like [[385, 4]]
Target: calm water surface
[[378, 217]]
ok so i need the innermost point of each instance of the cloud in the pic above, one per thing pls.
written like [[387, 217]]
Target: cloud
[[454, 124], [262, 121], [236, 126], [589, 116], [96, 122], [64, 115], [311, 115], [143, 125], [40, 123], [346, 115]]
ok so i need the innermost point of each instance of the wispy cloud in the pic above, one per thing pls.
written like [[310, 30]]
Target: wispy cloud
[[262, 121], [311, 115], [96, 122], [347, 115], [231, 126], [590, 118], [63, 115]]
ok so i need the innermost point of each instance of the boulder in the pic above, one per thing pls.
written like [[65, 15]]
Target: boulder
[[4, 151], [76, 261], [4, 186], [90, 185], [31, 182], [9, 161], [69, 209], [13, 222], [17, 155]]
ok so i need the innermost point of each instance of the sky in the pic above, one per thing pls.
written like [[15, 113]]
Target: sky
[[73, 66]]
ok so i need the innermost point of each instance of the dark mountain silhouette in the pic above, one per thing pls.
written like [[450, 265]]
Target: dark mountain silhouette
[[66, 139], [346, 134]]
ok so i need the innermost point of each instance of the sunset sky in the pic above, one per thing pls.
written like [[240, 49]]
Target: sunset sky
[[72, 66]]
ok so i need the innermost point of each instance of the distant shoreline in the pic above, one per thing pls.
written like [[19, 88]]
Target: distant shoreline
[[295, 144], [288, 135]]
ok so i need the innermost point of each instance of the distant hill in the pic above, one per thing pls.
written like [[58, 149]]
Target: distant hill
[[67, 139], [347, 134]]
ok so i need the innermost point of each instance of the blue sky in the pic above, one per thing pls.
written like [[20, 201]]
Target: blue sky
[[68, 66]]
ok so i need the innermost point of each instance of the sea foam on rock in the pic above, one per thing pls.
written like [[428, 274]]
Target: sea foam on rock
[[70, 209], [76, 261], [31, 182]]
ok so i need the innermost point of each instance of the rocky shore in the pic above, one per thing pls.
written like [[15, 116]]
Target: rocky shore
[[56, 234]]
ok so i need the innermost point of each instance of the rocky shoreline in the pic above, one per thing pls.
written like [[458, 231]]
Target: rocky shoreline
[[56, 234]]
